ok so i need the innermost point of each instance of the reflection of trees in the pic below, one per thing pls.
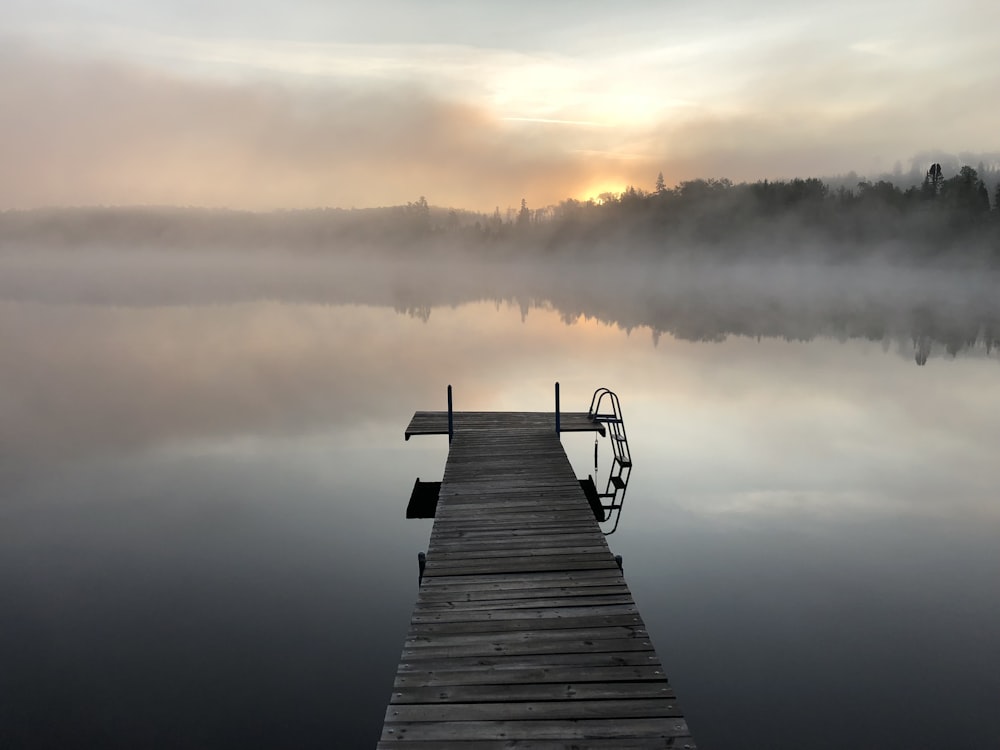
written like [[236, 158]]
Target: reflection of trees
[[928, 313], [919, 312], [924, 311], [422, 312], [922, 346]]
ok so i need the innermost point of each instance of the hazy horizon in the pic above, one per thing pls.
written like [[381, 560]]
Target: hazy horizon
[[911, 175]]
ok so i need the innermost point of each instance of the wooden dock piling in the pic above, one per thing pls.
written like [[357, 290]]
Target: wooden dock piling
[[524, 633]]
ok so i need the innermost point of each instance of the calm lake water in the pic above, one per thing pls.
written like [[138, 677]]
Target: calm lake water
[[202, 495]]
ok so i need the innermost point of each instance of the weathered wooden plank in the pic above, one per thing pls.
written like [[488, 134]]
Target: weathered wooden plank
[[464, 540], [467, 472], [528, 532], [498, 554], [524, 636], [522, 481], [522, 469], [529, 579], [532, 710], [509, 525], [631, 743], [517, 592], [520, 554], [533, 692], [538, 518], [577, 599], [533, 614], [516, 519], [520, 661], [491, 626], [555, 506], [535, 521], [488, 505], [503, 563], [493, 530], [500, 499], [513, 596], [500, 648], [538, 558], [516, 566], [556, 562], [466, 495], [510, 544], [570, 567], [530, 674], [584, 729]]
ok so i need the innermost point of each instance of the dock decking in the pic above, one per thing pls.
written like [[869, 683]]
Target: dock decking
[[436, 422], [524, 633]]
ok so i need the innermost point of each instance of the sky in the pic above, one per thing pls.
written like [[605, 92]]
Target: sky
[[264, 105]]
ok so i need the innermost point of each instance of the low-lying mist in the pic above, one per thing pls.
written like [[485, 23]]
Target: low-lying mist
[[924, 311]]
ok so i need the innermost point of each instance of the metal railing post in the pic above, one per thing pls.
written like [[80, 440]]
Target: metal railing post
[[451, 418], [558, 426]]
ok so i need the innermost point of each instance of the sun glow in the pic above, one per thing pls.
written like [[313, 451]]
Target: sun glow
[[599, 192]]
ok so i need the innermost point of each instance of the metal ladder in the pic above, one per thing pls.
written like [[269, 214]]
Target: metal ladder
[[613, 496]]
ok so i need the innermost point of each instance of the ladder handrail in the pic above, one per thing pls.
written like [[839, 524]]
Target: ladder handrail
[[615, 422], [595, 401]]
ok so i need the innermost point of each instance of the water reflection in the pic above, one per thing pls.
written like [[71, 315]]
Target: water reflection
[[203, 482], [923, 312]]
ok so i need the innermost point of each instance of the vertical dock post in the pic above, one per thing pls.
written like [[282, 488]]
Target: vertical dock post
[[558, 430], [451, 418]]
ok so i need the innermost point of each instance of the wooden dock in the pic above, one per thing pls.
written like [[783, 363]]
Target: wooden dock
[[524, 634]]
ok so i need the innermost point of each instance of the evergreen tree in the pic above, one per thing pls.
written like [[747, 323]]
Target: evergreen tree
[[965, 192], [984, 197], [524, 215], [932, 181], [420, 215]]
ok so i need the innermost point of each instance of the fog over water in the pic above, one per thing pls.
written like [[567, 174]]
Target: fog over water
[[953, 308], [203, 482]]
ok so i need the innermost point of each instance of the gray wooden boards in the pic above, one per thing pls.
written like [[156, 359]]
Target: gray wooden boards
[[524, 633], [436, 422]]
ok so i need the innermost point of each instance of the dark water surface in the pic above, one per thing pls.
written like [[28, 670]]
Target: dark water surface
[[202, 541]]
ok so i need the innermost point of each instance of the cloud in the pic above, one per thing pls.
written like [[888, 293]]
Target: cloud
[[277, 124], [106, 133]]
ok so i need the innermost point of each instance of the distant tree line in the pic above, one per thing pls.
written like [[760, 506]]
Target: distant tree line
[[943, 219]]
